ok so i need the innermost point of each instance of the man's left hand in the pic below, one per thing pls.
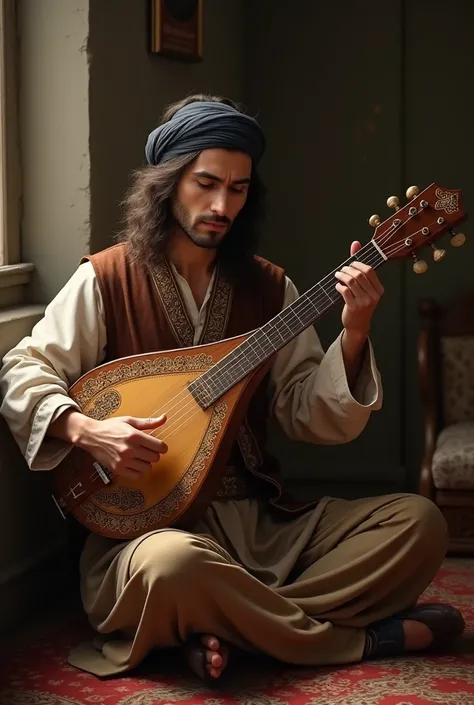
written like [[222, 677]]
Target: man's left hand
[[361, 290]]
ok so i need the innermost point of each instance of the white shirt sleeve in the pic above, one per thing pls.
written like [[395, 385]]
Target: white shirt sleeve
[[311, 398], [67, 342]]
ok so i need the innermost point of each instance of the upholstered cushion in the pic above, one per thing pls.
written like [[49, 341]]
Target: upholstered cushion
[[458, 378], [453, 461]]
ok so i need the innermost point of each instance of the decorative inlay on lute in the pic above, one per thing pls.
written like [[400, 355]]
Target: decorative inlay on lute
[[204, 391]]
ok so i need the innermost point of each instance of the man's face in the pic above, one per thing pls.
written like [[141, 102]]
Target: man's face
[[210, 194]]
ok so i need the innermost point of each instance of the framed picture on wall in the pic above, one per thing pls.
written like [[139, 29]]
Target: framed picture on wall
[[176, 29]]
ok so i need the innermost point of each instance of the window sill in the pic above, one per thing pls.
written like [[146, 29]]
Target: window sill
[[17, 322], [14, 280], [13, 274]]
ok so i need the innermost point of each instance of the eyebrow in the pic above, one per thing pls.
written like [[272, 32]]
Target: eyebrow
[[213, 177]]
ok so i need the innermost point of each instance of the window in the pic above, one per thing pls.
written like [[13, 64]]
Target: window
[[9, 148]]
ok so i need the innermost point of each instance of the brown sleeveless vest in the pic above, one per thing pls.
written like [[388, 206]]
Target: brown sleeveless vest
[[144, 313]]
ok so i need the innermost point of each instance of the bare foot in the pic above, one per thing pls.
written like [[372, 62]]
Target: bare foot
[[207, 656]]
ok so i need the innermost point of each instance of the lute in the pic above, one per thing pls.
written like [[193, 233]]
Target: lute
[[205, 390]]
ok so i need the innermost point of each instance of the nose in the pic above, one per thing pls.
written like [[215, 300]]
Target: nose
[[219, 202]]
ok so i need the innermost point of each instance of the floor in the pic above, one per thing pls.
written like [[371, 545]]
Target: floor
[[35, 672]]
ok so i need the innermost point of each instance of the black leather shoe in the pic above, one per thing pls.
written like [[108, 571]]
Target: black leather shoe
[[387, 638]]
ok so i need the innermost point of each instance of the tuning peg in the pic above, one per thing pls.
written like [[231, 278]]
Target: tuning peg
[[458, 239], [393, 202], [419, 265], [374, 220], [438, 253], [412, 192]]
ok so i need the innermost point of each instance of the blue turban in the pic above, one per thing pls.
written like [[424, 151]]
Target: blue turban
[[205, 125]]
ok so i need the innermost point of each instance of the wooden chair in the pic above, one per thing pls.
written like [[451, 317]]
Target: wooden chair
[[446, 373]]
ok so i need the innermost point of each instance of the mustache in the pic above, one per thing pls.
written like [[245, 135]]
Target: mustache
[[213, 218]]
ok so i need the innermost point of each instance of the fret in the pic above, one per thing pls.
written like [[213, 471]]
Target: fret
[[275, 334], [326, 294], [206, 388], [267, 337], [316, 302], [295, 313], [281, 319], [254, 342], [273, 328], [241, 363], [248, 350], [285, 323]]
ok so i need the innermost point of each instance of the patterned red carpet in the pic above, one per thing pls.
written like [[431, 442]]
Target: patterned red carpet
[[35, 672]]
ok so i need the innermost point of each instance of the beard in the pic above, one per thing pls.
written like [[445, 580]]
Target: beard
[[210, 239]]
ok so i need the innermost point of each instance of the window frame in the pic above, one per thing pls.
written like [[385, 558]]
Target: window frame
[[10, 170]]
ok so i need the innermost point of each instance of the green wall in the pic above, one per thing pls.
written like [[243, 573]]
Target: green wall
[[360, 100]]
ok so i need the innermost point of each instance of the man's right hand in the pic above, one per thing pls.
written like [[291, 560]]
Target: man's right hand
[[119, 444]]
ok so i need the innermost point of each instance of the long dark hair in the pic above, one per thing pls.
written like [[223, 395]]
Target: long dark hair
[[148, 222]]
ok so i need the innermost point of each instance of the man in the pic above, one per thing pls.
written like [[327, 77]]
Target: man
[[330, 584]]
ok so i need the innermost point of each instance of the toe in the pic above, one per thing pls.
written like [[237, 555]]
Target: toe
[[210, 642], [214, 659], [214, 672], [210, 660]]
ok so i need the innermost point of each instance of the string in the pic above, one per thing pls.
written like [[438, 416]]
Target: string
[[185, 416], [170, 430], [283, 317], [237, 360], [308, 304], [296, 309]]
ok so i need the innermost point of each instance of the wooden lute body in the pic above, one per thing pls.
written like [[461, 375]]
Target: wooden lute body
[[199, 438], [205, 391]]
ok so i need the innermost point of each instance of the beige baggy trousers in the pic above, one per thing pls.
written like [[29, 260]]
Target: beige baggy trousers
[[301, 590]]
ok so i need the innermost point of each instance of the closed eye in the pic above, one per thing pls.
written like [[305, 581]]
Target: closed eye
[[211, 185]]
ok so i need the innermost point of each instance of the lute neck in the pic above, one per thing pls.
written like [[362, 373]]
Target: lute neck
[[278, 332]]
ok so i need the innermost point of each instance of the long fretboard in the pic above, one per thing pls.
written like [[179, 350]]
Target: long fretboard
[[274, 335]]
